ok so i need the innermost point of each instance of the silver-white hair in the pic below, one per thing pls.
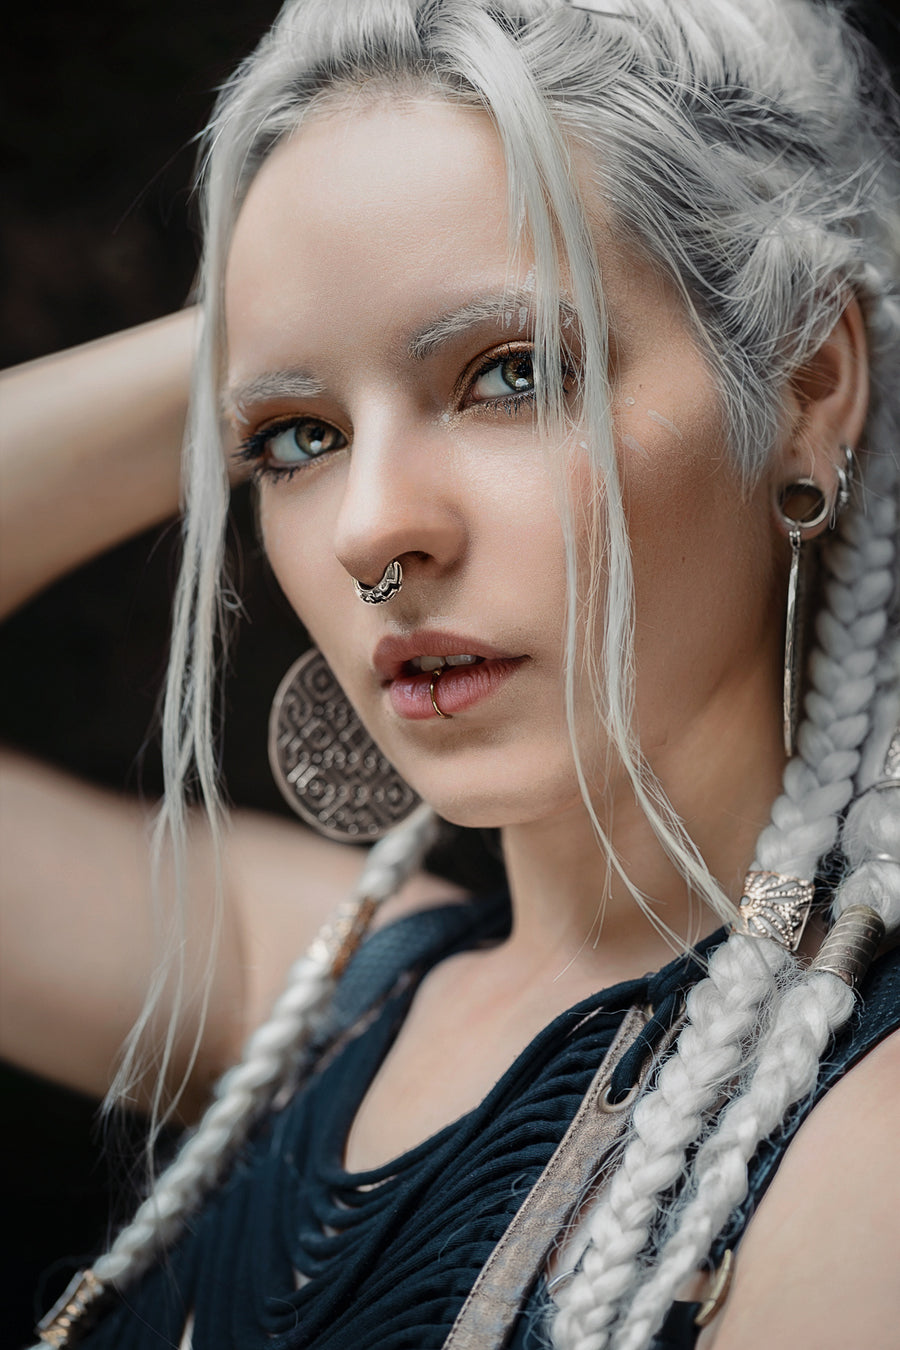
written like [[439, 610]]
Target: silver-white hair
[[743, 146]]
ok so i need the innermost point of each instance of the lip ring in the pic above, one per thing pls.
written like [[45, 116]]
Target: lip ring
[[435, 676]]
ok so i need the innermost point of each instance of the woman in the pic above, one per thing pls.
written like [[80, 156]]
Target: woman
[[548, 333]]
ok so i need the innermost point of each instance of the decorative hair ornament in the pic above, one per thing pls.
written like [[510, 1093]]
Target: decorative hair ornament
[[79, 1300], [327, 766], [849, 948], [385, 589], [798, 528], [892, 760], [775, 906], [718, 1291], [337, 941], [889, 780]]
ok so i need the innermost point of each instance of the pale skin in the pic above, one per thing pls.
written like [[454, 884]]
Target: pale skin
[[431, 472]]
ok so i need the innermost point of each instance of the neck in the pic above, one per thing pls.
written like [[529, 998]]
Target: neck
[[571, 907]]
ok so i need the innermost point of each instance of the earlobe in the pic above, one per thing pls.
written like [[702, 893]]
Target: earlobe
[[828, 402]]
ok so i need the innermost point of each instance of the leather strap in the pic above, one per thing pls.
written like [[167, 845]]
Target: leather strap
[[486, 1318]]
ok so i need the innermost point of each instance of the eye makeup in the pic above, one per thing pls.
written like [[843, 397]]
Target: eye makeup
[[290, 444]]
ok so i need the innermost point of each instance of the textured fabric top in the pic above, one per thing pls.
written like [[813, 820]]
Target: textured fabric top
[[294, 1251]]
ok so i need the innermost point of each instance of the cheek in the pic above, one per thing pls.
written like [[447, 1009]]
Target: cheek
[[702, 571], [295, 525]]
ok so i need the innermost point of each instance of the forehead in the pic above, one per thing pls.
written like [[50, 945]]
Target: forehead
[[393, 199], [423, 150], [368, 223]]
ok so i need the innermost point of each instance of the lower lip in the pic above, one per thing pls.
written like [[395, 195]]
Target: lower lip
[[457, 689]]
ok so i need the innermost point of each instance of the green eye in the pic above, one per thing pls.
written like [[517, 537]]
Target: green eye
[[305, 439], [510, 374]]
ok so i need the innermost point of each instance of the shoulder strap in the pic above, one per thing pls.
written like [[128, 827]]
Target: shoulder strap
[[413, 943], [488, 1315]]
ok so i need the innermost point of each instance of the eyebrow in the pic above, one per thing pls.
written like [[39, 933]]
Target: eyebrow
[[511, 309], [291, 383]]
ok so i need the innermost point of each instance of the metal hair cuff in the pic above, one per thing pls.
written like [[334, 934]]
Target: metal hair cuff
[[337, 941], [79, 1299], [850, 947]]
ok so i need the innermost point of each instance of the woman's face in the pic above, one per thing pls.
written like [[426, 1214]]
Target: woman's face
[[379, 376]]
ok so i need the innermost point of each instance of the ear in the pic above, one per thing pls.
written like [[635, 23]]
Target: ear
[[826, 408]]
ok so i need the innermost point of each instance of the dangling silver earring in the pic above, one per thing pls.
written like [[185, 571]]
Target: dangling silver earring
[[819, 510], [385, 589], [326, 764]]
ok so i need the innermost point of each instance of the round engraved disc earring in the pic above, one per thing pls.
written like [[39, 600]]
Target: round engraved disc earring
[[327, 766], [385, 589]]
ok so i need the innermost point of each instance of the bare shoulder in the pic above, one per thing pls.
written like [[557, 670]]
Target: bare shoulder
[[284, 882], [818, 1265]]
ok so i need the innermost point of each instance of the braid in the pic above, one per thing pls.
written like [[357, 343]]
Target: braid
[[806, 1017], [787, 1070], [724, 1010], [665, 1123], [270, 1057]]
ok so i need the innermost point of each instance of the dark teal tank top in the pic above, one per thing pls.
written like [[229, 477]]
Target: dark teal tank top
[[293, 1251]]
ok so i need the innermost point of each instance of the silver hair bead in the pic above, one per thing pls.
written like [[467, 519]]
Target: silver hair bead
[[849, 949]]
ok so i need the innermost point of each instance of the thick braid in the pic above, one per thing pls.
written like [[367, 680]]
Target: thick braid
[[819, 1003], [665, 1123], [269, 1058], [817, 786], [807, 1018], [787, 1071], [240, 1093]]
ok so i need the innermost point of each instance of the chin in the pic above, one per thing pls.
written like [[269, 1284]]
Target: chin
[[484, 802]]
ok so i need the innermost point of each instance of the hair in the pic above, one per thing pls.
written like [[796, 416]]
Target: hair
[[744, 147]]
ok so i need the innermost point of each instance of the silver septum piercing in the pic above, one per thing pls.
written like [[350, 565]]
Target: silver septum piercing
[[385, 589]]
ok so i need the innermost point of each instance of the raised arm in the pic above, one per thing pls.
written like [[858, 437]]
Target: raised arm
[[79, 942], [90, 447], [90, 453]]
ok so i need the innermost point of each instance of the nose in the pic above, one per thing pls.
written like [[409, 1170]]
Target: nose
[[400, 500]]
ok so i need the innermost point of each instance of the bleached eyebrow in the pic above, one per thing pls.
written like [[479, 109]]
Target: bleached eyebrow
[[511, 309], [293, 383]]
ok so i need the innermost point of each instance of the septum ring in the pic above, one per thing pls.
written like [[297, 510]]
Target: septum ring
[[385, 589], [435, 676]]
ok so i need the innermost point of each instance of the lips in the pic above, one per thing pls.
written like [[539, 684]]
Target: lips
[[393, 654], [458, 683]]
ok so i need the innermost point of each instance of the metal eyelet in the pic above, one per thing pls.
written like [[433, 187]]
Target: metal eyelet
[[612, 1108]]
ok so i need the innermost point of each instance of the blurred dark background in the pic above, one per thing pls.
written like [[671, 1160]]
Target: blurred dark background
[[100, 107]]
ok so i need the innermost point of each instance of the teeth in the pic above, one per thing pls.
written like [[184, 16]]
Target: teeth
[[429, 664]]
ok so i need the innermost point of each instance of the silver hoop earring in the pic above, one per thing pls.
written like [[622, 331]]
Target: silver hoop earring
[[846, 476], [816, 515], [385, 589], [327, 766]]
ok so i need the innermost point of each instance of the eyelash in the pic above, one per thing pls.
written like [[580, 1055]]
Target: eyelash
[[252, 450]]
